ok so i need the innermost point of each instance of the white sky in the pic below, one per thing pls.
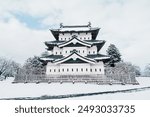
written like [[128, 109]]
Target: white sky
[[24, 25]]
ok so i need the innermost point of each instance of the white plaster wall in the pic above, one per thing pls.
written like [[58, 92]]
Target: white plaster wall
[[81, 50], [81, 36], [57, 51], [84, 51], [71, 69], [92, 50]]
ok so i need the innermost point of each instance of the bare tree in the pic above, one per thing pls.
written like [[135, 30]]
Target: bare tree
[[4, 65], [8, 68], [147, 70], [137, 70]]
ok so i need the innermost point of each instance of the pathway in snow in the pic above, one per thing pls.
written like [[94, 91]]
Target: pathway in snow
[[46, 97]]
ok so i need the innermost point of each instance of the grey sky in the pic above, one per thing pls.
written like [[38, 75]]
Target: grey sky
[[24, 25]]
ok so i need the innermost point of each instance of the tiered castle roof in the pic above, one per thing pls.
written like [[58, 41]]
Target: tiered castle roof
[[74, 57]]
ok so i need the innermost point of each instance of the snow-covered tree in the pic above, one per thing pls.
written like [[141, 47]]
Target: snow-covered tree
[[137, 70], [114, 54], [8, 67], [12, 69], [147, 70], [4, 65], [33, 66], [121, 68]]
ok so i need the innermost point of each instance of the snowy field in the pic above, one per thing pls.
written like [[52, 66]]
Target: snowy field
[[9, 90]]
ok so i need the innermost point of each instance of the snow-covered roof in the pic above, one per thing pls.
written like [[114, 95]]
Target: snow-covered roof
[[75, 56], [75, 29], [88, 43], [75, 40]]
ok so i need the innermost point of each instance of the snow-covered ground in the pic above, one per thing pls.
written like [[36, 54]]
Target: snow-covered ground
[[9, 90]]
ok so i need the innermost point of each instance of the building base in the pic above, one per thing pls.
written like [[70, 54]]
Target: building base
[[96, 79]]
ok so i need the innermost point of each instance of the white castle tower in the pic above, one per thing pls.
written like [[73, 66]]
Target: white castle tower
[[75, 51], [74, 56]]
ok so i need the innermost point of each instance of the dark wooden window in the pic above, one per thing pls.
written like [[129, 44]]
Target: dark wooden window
[[77, 69]]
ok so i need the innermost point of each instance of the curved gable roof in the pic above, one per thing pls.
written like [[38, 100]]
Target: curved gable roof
[[75, 40], [75, 56]]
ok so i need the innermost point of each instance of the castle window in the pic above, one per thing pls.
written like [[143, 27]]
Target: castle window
[[88, 37], [77, 69], [86, 69], [61, 38], [58, 70], [50, 70], [95, 70], [81, 69], [60, 53], [63, 70], [72, 69], [79, 51], [84, 38], [67, 70], [66, 51], [65, 38], [89, 52], [56, 52], [83, 51], [54, 70], [80, 37], [99, 69], [91, 70], [93, 52]]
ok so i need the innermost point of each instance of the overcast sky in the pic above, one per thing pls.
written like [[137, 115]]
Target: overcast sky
[[25, 24]]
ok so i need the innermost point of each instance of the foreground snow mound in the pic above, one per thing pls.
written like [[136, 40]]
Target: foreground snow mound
[[9, 90]]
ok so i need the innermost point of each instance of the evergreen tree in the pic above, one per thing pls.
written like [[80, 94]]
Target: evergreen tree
[[114, 54]]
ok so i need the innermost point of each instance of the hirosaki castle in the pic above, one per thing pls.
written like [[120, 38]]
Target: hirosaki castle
[[75, 56], [75, 51]]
